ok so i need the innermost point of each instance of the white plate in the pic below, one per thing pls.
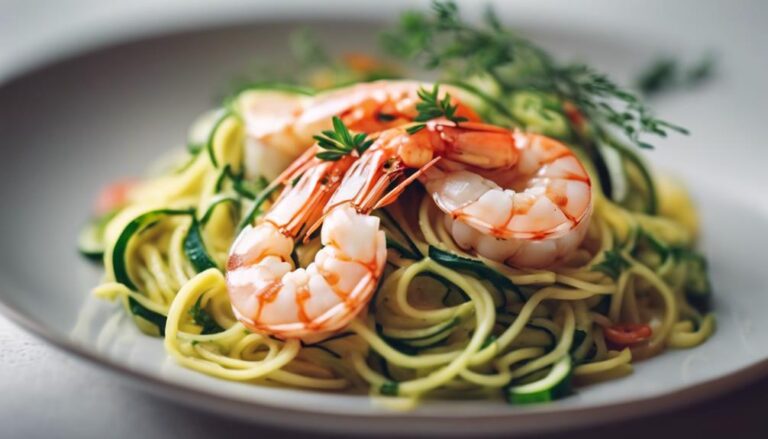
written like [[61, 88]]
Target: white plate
[[68, 128]]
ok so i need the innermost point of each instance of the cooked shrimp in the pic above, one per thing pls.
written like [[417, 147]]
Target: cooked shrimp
[[270, 295], [540, 215], [281, 124], [540, 218]]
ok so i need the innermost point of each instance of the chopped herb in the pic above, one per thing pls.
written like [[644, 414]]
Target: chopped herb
[[339, 142], [432, 107], [613, 263]]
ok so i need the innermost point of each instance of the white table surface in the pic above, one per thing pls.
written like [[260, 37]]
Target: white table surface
[[45, 393]]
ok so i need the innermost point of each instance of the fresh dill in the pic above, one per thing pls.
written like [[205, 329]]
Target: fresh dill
[[338, 142], [443, 40], [432, 107], [666, 73]]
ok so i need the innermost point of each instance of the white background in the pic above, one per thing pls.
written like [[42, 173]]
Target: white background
[[44, 393]]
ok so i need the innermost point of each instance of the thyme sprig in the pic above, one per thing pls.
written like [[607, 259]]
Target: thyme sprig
[[432, 107], [338, 142], [443, 40]]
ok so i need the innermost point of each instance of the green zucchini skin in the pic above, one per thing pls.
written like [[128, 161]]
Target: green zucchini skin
[[556, 384], [194, 249], [474, 266], [152, 317], [119, 264]]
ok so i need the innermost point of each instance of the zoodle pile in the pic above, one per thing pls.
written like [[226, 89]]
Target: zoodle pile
[[388, 192]]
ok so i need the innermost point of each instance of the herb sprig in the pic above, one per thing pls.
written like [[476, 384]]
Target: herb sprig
[[668, 73], [443, 40], [432, 107], [339, 142]]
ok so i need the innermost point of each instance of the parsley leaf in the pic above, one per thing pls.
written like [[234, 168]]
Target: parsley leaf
[[339, 142]]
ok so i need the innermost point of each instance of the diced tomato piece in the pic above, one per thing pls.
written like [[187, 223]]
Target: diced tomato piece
[[114, 196], [627, 334], [574, 115]]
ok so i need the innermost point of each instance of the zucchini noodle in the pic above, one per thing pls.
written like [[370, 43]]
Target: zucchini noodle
[[432, 330]]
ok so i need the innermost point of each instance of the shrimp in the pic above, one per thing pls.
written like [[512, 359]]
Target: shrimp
[[270, 295], [281, 124], [519, 198], [533, 215], [549, 201]]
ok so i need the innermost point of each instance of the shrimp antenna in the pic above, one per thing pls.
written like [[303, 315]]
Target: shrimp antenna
[[392, 195], [296, 168]]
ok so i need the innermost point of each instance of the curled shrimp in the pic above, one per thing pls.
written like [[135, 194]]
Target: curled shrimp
[[533, 215], [549, 201], [519, 198], [270, 295], [281, 124]]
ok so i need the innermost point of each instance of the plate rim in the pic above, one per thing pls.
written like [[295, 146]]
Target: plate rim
[[526, 419]]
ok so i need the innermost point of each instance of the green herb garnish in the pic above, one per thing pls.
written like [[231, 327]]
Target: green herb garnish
[[432, 107], [442, 40], [339, 142], [666, 74]]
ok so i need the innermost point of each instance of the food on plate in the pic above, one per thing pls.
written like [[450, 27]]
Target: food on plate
[[493, 231]]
